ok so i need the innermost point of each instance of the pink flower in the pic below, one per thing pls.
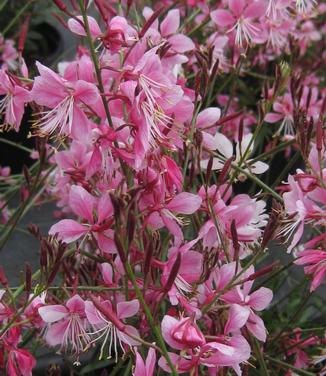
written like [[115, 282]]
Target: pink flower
[[181, 334], [165, 214], [241, 19], [169, 27], [244, 305], [20, 362], [110, 327], [314, 260], [67, 325], [8, 54], [190, 270], [66, 100], [299, 209], [14, 100], [145, 369], [224, 148], [296, 347], [223, 352], [85, 205]]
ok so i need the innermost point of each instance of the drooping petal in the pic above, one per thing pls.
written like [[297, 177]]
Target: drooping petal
[[238, 316], [55, 334], [77, 27], [256, 326], [53, 313], [260, 298], [68, 230], [208, 117], [184, 203], [127, 309]]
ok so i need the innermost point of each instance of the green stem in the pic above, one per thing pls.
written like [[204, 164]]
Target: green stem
[[260, 356], [95, 62], [14, 144], [150, 318], [259, 183], [15, 19], [289, 366]]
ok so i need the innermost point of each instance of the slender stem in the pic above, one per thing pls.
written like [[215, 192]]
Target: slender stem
[[14, 144], [15, 19], [95, 62], [260, 356], [258, 182], [150, 318], [289, 366]]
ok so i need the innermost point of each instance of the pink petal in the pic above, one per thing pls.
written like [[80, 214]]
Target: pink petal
[[53, 313], [105, 241], [184, 203], [167, 325], [222, 17], [171, 23], [81, 202], [259, 167], [104, 208], [68, 230], [173, 227], [78, 28], [86, 92], [76, 305], [191, 266], [238, 316], [127, 309], [127, 339], [107, 273], [272, 117], [261, 298], [297, 236], [48, 88], [255, 10], [223, 145], [55, 334], [208, 117], [80, 126], [181, 43], [256, 326], [150, 362], [140, 369], [236, 7]]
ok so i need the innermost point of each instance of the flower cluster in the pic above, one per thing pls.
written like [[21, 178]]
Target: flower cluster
[[157, 142]]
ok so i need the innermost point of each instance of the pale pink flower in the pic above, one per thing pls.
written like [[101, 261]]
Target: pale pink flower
[[299, 209], [224, 148], [67, 325], [241, 18], [13, 103], [166, 214], [189, 272], [314, 260], [244, 305], [66, 100], [83, 204], [113, 332]]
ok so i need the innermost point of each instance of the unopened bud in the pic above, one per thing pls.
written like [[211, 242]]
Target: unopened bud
[[173, 274]]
